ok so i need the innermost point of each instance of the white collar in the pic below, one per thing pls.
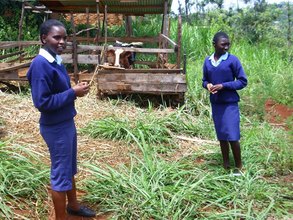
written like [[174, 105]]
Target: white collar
[[49, 57], [216, 63]]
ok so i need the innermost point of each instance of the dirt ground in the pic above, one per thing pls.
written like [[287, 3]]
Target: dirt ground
[[277, 114], [21, 127]]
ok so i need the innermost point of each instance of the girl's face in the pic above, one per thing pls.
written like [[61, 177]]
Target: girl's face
[[55, 41], [222, 46]]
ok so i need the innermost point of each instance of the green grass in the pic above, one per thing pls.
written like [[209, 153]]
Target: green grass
[[155, 130], [23, 180], [154, 185], [157, 185]]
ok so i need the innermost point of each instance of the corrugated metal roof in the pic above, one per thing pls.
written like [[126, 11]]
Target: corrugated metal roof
[[127, 7]]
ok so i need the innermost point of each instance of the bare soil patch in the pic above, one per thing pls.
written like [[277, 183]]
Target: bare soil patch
[[277, 114]]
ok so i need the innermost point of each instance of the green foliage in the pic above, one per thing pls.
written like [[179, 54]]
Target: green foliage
[[152, 187], [266, 149], [154, 129], [22, 175], [161, 186]]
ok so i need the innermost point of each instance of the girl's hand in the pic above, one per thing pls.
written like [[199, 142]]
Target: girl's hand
[[81, 89], [209, 86], [215, 88]]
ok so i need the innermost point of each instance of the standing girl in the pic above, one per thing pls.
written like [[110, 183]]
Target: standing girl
[[54, 97], [222, 76]]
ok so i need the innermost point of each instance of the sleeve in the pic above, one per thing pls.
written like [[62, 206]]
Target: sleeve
[[205, 79], [239, 75], [44, 98]]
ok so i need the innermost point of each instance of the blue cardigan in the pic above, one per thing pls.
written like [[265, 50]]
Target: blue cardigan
[[230, 74], [51, 91]]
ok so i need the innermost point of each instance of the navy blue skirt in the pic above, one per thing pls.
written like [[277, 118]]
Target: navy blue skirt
[[61, 140], [227, 121]]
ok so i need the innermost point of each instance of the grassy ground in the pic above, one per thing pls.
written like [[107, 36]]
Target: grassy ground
[[161, 163], [147, 163]]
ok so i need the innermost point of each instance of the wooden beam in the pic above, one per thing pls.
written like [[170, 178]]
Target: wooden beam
[[165, 27], [10, 54], [6, 67], [114, 39], [20, 29], [13, 44], [111, 87], [74, 50], [179, 36], [104, 56], [130, 49], [87, 26], [168, 40], [81, 59], [142, 71], [134, 78]]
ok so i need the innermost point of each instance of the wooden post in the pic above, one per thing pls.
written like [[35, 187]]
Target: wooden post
[[20, 28], [87, 25], [74, 50], [166, 19], [128, 24], [179, 36], [99, 21], [184, 63], [106, 33], [165, 28]]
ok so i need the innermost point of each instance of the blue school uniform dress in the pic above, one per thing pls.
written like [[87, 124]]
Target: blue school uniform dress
[[229, 72], [53, 96]]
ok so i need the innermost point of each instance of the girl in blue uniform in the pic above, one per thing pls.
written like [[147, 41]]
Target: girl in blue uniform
[[54, 97], [222, 76]]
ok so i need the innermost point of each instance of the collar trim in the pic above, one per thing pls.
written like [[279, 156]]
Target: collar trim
[[49, 57]]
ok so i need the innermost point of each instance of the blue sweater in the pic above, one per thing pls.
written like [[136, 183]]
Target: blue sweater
[[230, 74], [51, 91]]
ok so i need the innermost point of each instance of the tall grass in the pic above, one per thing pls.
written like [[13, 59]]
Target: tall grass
[[22, 180], [155, 185], [268, 67], [154, 188]]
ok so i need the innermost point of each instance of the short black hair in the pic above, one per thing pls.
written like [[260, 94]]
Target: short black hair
[[47, 25], [219, 35]]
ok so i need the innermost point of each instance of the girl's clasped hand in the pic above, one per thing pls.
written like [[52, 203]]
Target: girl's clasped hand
[[214, 88], [81, 89]]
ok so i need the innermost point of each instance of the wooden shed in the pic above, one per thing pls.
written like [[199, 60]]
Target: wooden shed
[[158, 77]]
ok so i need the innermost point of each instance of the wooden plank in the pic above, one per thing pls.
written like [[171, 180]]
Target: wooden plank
[[179, 37], [74, 49], [10, 54], [12, 44], [6, 67], [107, 67], [9, 75], [130, 49], [142, 71], [81, 59], [121, 39], [22, 72], [142, 78], [85, 77], [142, 88], [173, 44]]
